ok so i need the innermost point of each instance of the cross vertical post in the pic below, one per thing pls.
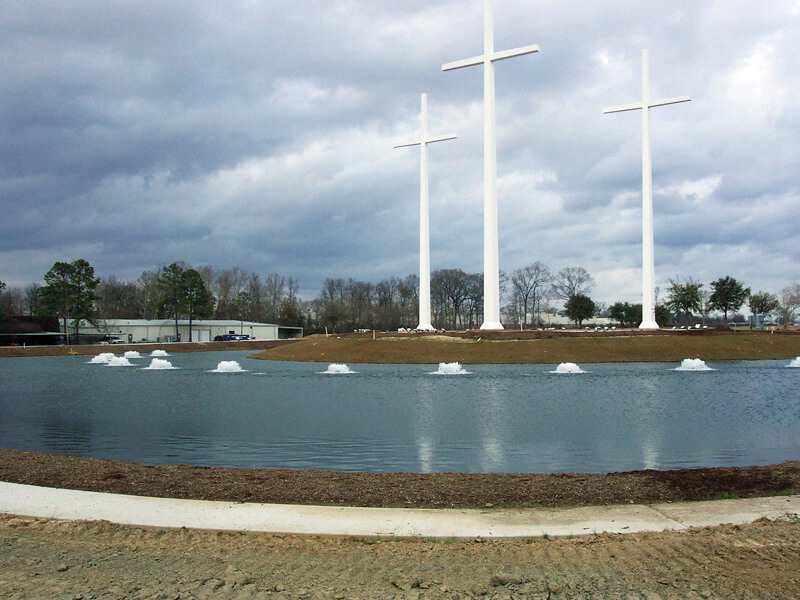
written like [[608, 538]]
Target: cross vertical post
[[648, 253], [491, 263], [424, 217]]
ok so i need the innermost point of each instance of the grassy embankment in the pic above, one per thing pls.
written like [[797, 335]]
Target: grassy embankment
[[577, 347]]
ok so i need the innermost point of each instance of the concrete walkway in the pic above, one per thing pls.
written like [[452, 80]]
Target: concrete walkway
[[33, 501]]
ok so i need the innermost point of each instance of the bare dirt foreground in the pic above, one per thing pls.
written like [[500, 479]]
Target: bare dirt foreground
[[78, 560]]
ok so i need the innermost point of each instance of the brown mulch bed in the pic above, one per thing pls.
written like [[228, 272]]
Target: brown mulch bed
[[509, 347], [396, 489]]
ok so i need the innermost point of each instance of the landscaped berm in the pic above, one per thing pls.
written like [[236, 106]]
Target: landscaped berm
[[541, 347]]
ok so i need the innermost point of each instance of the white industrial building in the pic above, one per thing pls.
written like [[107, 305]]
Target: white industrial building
[[203, 330]]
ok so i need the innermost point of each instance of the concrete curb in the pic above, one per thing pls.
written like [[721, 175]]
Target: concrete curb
[[51, 503]]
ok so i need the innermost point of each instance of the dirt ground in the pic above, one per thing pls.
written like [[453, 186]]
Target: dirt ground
[[82, 561], [411, 490], [542, 347]]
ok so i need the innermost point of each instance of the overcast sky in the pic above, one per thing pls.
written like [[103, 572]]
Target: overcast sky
[[259, 134]]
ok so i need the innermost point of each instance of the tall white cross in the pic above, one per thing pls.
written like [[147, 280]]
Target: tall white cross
[[491, 263], [424, 217], [648, 260]]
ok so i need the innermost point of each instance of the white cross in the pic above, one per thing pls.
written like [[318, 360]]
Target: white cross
[[648, 260], [424, 217], [491, 264]]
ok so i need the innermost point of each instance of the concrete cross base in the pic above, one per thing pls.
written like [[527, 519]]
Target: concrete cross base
[[489, 325], [648, 325]]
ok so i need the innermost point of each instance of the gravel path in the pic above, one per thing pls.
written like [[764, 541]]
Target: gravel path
[[79, 560]]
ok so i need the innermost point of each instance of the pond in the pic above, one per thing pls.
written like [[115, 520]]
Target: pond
[[386, 418]]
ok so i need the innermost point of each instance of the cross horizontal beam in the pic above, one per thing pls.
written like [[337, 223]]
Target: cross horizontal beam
[[430, 140], [493, 57], [650, 104]]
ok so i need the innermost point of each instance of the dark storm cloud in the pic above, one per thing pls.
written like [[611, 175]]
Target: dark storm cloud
[[259, 134]]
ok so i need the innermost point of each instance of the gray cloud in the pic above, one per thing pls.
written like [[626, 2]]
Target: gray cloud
[[259, 134]]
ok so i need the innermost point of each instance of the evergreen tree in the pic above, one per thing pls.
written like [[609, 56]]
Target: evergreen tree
[[69, 291], [684, 297], [727, 295], [763, 303], [197, 299], [170, 285], [579, 307]]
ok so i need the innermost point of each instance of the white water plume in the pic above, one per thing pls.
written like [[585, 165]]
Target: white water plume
[[132, 354], [119, 361], [160, 353], [452, 368], [101, 359], [228, 366], [795, 364], [337, 369], [568, 367], [693, 364], [159, 364]]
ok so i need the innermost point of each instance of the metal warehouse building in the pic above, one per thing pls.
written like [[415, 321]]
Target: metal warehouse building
[[163, 330]]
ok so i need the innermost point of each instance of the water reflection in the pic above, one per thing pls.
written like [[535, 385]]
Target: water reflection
[[425, 425], [493, 421]]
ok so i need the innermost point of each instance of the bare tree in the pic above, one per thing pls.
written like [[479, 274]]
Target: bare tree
[[148, 295], [118, 299], [449, 291], [789, 299], [33, 299], [225, 288], [13, 301], [274, 292], [572, 281], [528, 285]]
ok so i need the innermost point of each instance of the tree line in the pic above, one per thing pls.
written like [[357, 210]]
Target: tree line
[[72, 292]]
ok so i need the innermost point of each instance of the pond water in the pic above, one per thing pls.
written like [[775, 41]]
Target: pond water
[[384, 418]]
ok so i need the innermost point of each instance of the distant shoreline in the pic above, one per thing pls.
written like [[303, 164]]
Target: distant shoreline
[[482, 347], [93, 349]]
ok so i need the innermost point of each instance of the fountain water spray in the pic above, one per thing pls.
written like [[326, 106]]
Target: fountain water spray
[[159, 364], [568, 367], [337, 369], [119, 361], [161, 353], [132, 354], [452, 368], [228, 366], [102, 358], [795, 364], [693, 364]]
